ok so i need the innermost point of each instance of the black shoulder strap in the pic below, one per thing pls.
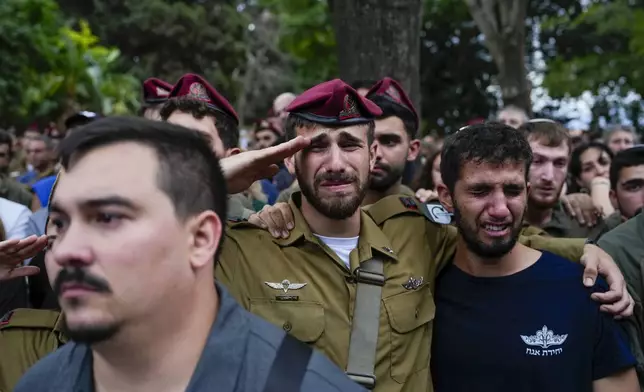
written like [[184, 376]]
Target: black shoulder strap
[[289, 366]]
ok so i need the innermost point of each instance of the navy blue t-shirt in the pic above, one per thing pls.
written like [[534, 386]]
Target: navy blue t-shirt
[[536, 330]]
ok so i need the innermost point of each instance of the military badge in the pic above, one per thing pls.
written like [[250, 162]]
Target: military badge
[[409, 203], [162, 93], [439, 214], [393, 93], [6, 318], [285, 286], [413, 283], [198, 91], [350, 108]]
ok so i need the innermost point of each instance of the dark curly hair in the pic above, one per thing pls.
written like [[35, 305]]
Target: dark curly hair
[[489, 142]]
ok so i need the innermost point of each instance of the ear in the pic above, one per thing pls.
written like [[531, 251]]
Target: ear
[[373, 154], [414, 149], [206, 231], [445, 197], [232, 151], [613, 199], [290, 164]]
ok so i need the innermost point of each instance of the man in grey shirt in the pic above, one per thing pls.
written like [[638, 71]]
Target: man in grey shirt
[[131, 261]]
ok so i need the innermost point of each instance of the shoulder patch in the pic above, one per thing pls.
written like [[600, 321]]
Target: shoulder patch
[[6, 318], [30, 318], [438, 214], [409, 203]]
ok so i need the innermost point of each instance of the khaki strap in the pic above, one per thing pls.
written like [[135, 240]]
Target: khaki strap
[[366, 323]]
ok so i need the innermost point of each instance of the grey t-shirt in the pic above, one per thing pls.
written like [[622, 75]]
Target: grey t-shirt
[[237, 357]]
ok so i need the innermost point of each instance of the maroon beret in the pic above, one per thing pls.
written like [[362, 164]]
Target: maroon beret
[[155, 91], [334, 102], [391, 90], [194, 87]]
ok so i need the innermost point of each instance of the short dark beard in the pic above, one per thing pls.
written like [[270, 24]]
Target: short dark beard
[[90, 334], [338, 209], [496, 249], [392, 175]]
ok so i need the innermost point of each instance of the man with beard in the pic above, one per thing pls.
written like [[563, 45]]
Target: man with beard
[[510, 318], [309, 282], [313, 283], [131, 247], [395, 140], [155, 94], [550, 143]]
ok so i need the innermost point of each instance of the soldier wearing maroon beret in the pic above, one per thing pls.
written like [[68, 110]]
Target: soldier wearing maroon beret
[[267, 133], [155, 93], [395, 139], [194, 103]]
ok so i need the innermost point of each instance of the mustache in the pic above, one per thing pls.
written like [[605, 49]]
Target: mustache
[[336, 177], [80, 276], [382, 166]]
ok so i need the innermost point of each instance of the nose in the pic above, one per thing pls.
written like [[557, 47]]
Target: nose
[[71, 248], [498, 206], [547, 172], [336, 160]]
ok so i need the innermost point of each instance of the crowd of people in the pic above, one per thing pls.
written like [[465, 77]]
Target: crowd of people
[[347, 252]]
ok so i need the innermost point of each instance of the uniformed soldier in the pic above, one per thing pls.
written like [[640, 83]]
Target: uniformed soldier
[[550, 143], [26, 336], [310, 282], [395, 140], [625, 244], [155, 94], [194, 103]]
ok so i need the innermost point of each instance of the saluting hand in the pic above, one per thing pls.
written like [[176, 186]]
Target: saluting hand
[[13, 252], [243, 169]]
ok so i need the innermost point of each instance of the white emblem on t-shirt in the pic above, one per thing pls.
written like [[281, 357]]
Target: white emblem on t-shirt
[[544, 338]]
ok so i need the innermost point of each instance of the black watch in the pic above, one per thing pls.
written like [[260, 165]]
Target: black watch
[[589, 241]]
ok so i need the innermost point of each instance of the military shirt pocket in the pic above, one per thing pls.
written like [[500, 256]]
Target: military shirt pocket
[[302, 319], [410, 318]]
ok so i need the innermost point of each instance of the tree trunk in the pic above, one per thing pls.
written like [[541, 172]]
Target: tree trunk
[[502, 22], [378, 38]]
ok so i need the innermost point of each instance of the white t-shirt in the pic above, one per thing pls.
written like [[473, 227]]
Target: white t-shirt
[[341, 246], [15, 218]]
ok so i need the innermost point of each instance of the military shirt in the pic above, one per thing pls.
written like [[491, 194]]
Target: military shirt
[[562, 225], [302, 286], [625, 244], [237, 357], [26, 336]]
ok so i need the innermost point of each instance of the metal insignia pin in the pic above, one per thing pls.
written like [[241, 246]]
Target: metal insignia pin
[[413, 283]]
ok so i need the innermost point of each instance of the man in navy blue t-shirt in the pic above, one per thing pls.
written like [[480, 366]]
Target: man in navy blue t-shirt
[[510, 318]]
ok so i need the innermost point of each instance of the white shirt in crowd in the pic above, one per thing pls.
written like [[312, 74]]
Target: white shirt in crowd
[[15, 219]]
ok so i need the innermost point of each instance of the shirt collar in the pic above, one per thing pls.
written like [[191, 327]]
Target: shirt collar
[[372, 240]]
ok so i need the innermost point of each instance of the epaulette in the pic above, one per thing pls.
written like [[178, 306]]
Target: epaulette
[[395, 205], [30, 318], [528, 230]]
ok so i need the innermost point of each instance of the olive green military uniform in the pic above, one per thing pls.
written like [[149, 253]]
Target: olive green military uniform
[[11, 189], [255, 267], [562, 225], [26, 336], [625, 244]]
